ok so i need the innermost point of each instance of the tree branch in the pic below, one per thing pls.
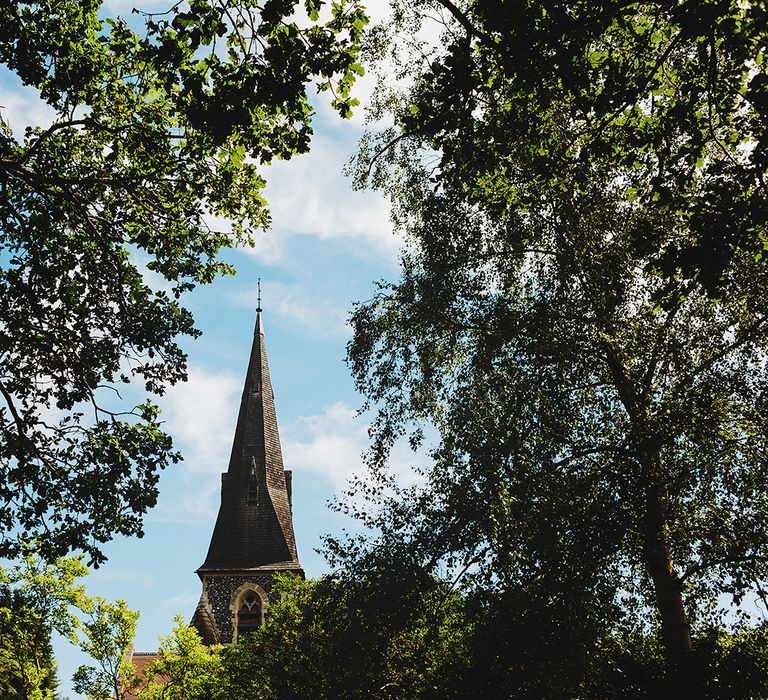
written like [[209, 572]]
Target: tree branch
[[746, 336], [51, 129], [586, 453], [655, 359], [385, 148], [703, 566], [12, 408], [463, 20]]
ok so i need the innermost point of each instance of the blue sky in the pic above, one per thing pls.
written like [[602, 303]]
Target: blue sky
[[327, 246]]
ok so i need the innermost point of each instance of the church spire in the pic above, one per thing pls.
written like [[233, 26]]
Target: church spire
[[254, 528]]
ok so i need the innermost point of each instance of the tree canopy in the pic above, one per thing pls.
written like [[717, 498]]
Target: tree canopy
[[337, 637], [580, 314], [38, 599], [667, 100], [156, 135], [412, 635]]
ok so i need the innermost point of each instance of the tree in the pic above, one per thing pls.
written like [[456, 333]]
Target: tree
[[596, 387], [37, 600], [186, 669], [669, 100], [154, 134], [375, 635], [27, 667], [727, 666], [590, 438], [106, 634], [329, 638]]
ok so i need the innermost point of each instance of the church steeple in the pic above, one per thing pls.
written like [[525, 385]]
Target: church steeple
[[253, 537], [254, 528]]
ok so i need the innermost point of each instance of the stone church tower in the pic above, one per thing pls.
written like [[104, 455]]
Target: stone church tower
[[253, 537]]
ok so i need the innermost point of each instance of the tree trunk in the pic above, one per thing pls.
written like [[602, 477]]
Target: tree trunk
[[668, 589], [675, 628]]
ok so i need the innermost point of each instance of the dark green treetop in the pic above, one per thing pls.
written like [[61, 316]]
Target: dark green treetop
[[669, 100], [580, 312]]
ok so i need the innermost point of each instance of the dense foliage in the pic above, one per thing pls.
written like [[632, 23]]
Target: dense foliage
[[333, 638], [38, 600], [27, 667], [105, 220], [596, 450], [580, 319], [668, 100], [393, 637]]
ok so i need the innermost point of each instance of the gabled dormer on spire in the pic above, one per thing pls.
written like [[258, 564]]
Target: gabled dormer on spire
[[253, 536]]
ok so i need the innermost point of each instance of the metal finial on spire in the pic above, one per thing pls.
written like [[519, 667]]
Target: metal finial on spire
[[258, 302]]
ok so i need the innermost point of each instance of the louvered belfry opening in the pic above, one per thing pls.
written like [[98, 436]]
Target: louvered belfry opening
[[253, 536], [248, 613]]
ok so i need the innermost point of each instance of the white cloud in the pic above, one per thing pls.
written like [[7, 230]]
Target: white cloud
[[201, 416], [292, 303], [268, 247], [309, 196], [199, 498], [154, 280], [331, 444], [21, 106]]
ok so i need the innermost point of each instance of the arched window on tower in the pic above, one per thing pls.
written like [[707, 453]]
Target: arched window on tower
[[253, 485], [249, 613]]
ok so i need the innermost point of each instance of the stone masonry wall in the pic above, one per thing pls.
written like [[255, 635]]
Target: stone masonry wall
[[220, 590]]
